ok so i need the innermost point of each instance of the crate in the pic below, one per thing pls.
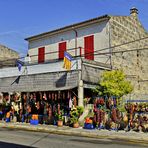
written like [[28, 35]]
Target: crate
[[34, 122], [7, 119], [88, 126]]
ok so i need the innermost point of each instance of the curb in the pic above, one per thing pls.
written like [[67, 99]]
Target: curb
[[77, 133]]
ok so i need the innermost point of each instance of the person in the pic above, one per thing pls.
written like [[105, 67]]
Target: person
[[7, 104], [32, 103], [16, 107], [23, 111], [27, 59], [1, 106], [50, 117]]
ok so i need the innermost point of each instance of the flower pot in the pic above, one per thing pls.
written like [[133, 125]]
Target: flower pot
[[60, 123], [76, 125]]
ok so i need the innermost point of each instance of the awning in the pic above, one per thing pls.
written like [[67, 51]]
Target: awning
[[40, 82]]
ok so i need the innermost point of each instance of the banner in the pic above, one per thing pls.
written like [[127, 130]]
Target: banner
[[19, 64], [67, 60]]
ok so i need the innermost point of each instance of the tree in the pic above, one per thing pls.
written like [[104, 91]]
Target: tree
[[114, 83]]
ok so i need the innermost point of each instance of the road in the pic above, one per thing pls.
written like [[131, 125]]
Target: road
[[10, 138]]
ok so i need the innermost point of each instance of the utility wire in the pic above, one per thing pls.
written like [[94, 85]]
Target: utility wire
[[90, 53], [83, 55]]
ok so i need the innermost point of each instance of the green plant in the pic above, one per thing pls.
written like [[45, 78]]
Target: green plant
[[121, 109], [75, 114], [59, 115], [113, 83], [80, 110]]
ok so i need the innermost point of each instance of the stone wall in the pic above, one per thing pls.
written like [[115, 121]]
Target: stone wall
[[5, 54], [134, 63]]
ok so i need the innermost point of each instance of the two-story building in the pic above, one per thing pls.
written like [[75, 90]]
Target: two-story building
[[103, 43]]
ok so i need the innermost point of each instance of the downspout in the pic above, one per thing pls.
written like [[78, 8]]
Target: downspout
[[80, 82], [76, 35]]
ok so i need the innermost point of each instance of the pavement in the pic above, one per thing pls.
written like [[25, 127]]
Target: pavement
[[131, 136]]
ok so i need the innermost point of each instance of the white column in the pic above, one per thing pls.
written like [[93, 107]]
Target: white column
[[80, 93]]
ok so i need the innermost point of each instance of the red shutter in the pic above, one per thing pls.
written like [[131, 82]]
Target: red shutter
[[62, 48], [41, 55], [89, 47]]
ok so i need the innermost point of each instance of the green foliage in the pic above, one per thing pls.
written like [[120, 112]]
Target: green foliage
[[122, 109], [80, 109], [75, 114], [113, 83], [59, 116]]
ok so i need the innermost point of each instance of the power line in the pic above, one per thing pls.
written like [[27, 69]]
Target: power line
[[96, 49], [102, 53], [90, 53], [122, 51]]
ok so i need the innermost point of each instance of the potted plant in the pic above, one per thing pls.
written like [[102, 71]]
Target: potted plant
[[74, 116], [59, 117]]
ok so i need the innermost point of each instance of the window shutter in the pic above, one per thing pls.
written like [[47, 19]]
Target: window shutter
[[62, 48], [89, 47], [41, 55]]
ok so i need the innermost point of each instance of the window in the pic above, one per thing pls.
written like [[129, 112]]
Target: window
[[89, 47], [41, 55], [62, 48]]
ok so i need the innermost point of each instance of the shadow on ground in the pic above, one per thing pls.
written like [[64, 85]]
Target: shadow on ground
[[111, 142], [12, 145]]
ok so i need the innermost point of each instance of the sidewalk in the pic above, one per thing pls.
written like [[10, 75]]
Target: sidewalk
[[136, 137]]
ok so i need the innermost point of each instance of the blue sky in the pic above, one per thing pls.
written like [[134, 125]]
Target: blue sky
[[20, 19]]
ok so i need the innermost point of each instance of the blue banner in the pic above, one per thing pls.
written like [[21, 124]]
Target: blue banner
[[68, 56]]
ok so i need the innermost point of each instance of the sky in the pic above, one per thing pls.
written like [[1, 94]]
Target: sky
[[20, 19]]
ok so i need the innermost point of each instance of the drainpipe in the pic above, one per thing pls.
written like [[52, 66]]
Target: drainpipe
[[80, 81], [76, 35]]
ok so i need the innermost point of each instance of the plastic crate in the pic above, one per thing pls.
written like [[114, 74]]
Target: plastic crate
[[34, 122], [88, 126], [7, 119]]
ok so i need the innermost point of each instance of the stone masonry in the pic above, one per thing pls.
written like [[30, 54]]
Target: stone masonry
[[124, 29], [7, 56]]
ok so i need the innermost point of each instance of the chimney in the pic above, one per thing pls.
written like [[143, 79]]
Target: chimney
[[134, 12]]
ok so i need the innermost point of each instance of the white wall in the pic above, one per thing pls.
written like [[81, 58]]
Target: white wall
[[101, 40], [37, 69]]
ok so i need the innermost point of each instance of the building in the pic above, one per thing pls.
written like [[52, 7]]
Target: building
[[7, 56], [103, 43]]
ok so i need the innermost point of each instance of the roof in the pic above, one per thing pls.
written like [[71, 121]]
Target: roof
[[69, 27], [3, 46]]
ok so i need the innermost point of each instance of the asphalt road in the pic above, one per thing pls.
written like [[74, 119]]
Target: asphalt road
[[17, 138]]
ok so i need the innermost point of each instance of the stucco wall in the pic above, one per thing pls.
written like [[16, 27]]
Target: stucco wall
[[101, 40]]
